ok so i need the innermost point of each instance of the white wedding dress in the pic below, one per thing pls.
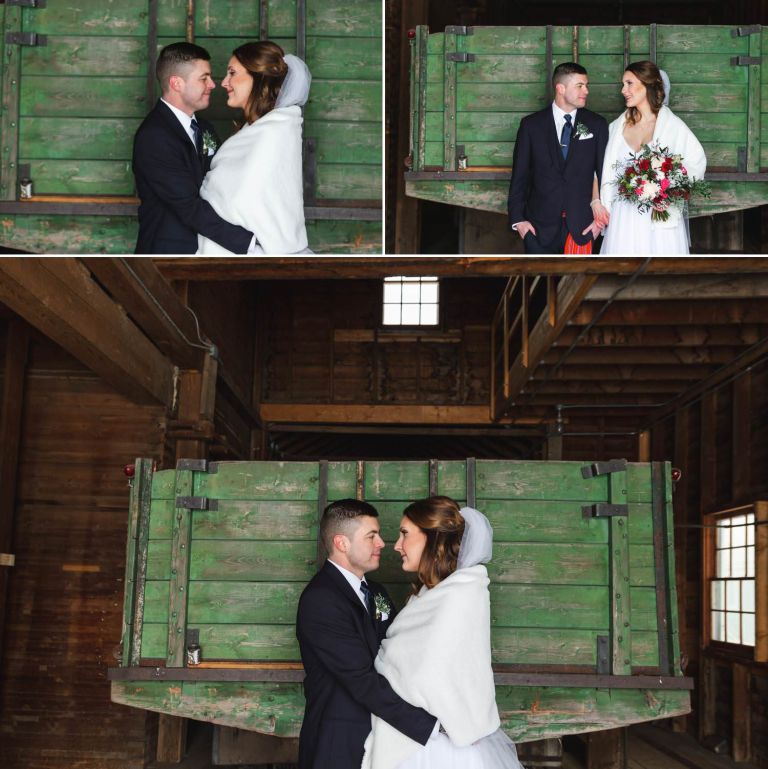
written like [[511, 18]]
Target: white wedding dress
[[632, 232], [256, 176], [437, 655]]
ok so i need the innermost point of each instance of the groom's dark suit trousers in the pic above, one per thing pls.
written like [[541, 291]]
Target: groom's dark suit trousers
[[339, 641], [169, 172]]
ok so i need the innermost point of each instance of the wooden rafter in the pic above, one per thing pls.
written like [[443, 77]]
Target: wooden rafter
[[59, 297]]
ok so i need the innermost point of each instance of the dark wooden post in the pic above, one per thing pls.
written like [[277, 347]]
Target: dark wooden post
[[16, 349]]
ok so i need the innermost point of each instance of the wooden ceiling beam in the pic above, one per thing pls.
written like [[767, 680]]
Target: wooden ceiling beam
[[657, 287], [636, 356], [669, 312], [626, 387], [629, 372], [708, 335], [417, 414], [371, 267], [59, 297], [154, 306]]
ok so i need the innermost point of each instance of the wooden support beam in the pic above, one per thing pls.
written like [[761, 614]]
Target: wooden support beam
[[644, 446], [304, 268], [59, 297], [607, 749], [318, 413], [705, 336], [652, 355], [708, 452], [742, 713], [741, 455], [656, 287], [12, 408], [628, 372], [154, 306]]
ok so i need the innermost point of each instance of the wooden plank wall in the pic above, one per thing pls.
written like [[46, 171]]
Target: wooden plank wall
[[719, 444], [321, 345], [64, 614]]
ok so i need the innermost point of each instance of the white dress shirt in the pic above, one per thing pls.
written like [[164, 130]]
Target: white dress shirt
[[184, 119], [353, 580]]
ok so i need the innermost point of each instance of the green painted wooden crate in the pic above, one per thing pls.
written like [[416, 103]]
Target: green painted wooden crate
[[584, 610], [72, 97], [471, 86]]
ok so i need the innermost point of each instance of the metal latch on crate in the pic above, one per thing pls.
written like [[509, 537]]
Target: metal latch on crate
[[27, 3], [26, 38], [197, 503], [604, 510], [604, 468], [463, 57], [745, 61]]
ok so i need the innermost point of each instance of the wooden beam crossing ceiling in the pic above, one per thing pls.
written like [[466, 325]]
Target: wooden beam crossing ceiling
[[680, 287], [373, 267], [59, 297], [319, 413]]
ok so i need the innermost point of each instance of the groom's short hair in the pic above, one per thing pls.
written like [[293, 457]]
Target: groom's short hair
[[175, 59], [565, 70], [340, 517]]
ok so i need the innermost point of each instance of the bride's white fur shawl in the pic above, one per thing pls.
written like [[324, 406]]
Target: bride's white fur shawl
[[670, 132], [437, 655], [256, 181]]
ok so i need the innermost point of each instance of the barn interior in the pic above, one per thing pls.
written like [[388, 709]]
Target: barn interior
[[422, 226], [108, 359]]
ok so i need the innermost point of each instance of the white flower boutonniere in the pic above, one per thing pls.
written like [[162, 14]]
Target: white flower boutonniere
[[209, 143], [382, 606], [582, 132]]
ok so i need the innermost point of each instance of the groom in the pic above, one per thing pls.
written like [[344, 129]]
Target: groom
[[341, 621], [558, 152], [172, 152]]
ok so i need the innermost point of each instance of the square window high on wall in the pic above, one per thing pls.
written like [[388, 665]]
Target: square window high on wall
[[411, 302], [736, 580]]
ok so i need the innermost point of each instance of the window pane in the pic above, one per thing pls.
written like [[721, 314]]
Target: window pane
[[411, 293], [750, 561], [732, 627], [739, 531], [429, 293], [410, 315], [718, 626], [723, 563], [718, 594], [392, 293], [748, 629], [391, 314], [751, 530], [429, 315], [739, 562], [747, 595], [732, 590], [723, 534]]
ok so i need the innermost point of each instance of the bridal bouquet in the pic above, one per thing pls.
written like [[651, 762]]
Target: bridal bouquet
[[656, 179]]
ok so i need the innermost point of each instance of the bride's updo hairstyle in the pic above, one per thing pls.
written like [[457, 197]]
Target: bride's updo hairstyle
[[439, 518], [266, 64], [648, 74]]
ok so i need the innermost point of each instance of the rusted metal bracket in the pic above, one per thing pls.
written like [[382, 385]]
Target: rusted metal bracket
[[460, 57], [603, 655], [754, 29], [26, 38], [603, 510], [604, 468], [746, 61]]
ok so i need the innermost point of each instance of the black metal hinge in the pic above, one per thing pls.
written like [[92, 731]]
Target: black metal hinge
[[755, 29], [745, 61], [27, 3], [457, 30], [197, 503], [26, 38], [198, 466], [604, 510], [603, 655], [463, 57], [604, 468]]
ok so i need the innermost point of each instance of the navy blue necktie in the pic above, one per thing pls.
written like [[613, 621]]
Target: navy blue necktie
[[366, 591], [198, 136], [565, 136]]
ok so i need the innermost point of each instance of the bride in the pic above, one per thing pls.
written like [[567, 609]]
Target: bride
[[256, 175], [647, 119], [437, 653]]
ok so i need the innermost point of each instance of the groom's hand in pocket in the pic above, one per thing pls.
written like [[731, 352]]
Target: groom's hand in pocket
[[594, 229], [523, 228]]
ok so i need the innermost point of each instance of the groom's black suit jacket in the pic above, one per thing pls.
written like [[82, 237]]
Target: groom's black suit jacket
[[339, 641], [168, 174], [545, 185]]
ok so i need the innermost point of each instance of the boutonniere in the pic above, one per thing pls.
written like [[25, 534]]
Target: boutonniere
[[383, 607], [582, 132], [209, 143]]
